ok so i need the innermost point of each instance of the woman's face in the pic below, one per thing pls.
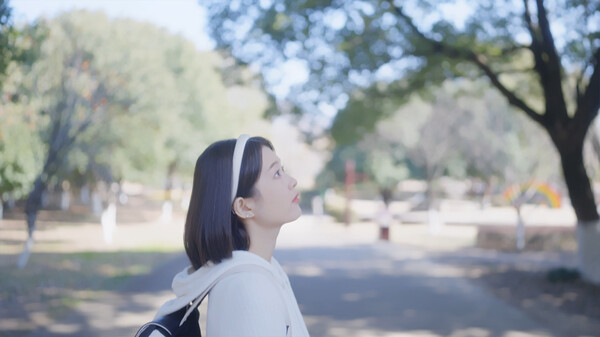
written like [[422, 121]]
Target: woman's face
[[277, 201]]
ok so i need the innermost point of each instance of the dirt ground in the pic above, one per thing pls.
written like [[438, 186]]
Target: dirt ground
[[565, 306], [570, 307], [70, 262]]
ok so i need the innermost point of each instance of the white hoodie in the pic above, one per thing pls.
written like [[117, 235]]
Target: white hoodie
[[256, 300]]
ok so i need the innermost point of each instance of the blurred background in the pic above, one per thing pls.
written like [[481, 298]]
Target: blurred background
[[447, 154]]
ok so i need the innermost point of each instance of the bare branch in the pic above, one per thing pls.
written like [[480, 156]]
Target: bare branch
[[514, 71], [80, 129], [514, 48], [479, 60], [530, 26], [547, 38], [547, 63], [580, 77], [589, 104], [551, 73], [512, 98]]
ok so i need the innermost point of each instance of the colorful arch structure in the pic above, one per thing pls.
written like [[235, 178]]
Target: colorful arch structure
[[533, 191]]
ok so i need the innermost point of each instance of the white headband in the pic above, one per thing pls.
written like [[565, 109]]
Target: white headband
[[238, 155]]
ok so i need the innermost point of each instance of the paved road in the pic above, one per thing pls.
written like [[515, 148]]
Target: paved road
[[347, 284]]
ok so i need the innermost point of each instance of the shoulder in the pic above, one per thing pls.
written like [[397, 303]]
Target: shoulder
[[246, 304], [246, 285]]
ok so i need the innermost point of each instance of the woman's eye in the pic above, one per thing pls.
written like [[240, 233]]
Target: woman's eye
[[278, 172]]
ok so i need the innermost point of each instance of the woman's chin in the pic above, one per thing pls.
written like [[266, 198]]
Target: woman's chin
[[297, 213]]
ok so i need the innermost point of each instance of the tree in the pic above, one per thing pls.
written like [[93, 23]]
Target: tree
[[121, 115], [7, 37], [19, 144], [385, 170], [567, 129], [347, 44], [21, 149], [74, 89], [464, 132], [20, 152]]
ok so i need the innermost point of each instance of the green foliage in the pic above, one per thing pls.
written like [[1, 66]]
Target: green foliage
[[368, 57], [335, 169], [21, 148], [351, 45], [112, 99], [466, 130], [20, 152], [385, 171], [7, 36], [348, 44]]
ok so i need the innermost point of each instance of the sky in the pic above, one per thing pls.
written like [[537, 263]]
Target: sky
[[183, 17], [186, 18]]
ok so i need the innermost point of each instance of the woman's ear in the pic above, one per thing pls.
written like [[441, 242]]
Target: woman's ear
[[242, 208]]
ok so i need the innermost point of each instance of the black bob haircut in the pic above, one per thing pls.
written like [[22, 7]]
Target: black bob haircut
[[212, 230]]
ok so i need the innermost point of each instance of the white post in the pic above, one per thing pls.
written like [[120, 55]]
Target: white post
[[84, 195], [185, 200], [435, 222], [109, 222], [123, 198], [167, 212], [317, 206], [65, 196], [96, 203], [24, 257], [64, 200], [384, 219], [45, 199], [520, 235], [11, 201]]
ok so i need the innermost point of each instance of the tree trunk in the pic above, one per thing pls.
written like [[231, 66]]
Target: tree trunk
[[520, 230], [10, 204], [386, 195], [167, 207], [169, 181], [434, 222], [34, 203], [349, 183], [487, 192], [34, 200], [578, 184], [588, 250], [582, 200], [32, 206], [84, 194]]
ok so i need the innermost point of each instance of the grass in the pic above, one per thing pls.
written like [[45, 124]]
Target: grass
[[54, 283], [70, 264]]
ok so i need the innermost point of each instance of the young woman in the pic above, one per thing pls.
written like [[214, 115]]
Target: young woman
[[241, 197]]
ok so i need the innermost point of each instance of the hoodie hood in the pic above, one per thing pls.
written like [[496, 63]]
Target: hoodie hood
[[188, 285]]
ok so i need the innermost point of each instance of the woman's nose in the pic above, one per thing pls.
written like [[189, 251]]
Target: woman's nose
[[293, 182]]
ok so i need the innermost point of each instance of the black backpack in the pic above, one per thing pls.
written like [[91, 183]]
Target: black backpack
[[168, 326]]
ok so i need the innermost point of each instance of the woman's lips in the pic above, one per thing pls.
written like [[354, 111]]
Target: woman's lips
[[296, 198]]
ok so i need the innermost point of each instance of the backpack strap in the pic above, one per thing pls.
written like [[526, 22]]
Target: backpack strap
[[248, 267]]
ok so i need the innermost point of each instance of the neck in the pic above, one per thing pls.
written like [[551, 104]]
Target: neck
[[262, 240]]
